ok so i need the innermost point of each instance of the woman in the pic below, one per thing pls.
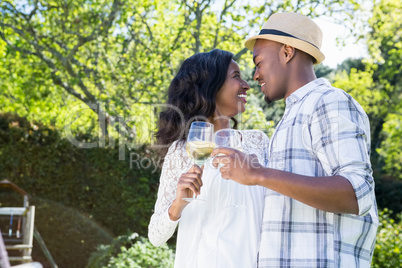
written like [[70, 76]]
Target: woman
[[222, 228]]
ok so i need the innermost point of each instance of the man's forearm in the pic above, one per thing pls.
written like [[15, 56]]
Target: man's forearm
[[332, 194]]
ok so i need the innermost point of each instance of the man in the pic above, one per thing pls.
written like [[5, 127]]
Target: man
[[320, 208]]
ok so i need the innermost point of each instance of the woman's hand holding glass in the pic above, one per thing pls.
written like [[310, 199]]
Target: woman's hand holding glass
[[189, 184]]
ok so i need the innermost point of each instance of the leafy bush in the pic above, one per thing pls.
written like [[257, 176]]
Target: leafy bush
[[389, 194], [390, 148], [388, 247], [132, 251], [117, 194]]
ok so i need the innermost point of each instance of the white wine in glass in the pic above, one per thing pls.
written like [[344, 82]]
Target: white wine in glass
[[200, 144], [200, 151]]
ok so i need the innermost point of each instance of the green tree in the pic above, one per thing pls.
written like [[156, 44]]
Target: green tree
[[385, 47], [384, 41], [350, 64], [391, 145], [376, 83], [117, 57], [322, 70]]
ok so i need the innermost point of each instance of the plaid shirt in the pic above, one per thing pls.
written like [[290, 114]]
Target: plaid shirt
[[324, 132]]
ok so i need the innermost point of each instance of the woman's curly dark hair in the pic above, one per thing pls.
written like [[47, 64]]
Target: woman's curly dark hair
[[192, 94]]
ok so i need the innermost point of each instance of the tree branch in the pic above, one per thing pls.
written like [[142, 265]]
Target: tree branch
[[65, 61], [21, 50], [103, 28], [67, 66], [176, 40], [148, 28], [240, 54], [225, 9], [33, 11], [56, 79], [206, 4], [196, 34]]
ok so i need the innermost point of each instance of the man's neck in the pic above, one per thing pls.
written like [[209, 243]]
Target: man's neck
[[299, 77]]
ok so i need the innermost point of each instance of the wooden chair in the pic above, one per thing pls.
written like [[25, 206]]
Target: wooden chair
[[5, 262], [19, 238]]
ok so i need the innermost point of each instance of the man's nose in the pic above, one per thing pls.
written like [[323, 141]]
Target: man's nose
[[256, 75]]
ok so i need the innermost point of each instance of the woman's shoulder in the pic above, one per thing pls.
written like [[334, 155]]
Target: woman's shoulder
[[176, 158], [176, 148]]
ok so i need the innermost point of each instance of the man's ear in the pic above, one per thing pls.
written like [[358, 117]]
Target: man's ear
[[289, 52]]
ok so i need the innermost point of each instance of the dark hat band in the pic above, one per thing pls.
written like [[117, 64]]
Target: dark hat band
[[276, 32]]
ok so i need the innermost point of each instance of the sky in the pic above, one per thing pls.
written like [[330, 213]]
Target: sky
[[336, 54]]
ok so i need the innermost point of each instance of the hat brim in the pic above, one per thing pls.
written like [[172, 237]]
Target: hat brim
[[293, 42]]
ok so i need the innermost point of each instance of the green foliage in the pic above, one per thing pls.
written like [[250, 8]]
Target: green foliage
[[387, 252], [322, 70], [375, 83], [385, 48], [349, 64], [388, 193], [254, 117], [143, 255], [113, 55], [104, 252], [384, 42], [118, 194], [390, 149], [132, 251], [360, 85]]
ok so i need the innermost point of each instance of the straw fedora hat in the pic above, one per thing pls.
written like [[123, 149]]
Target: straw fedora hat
[[292, 29]]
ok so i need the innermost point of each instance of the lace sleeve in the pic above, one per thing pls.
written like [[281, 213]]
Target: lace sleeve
[[161, 227], [256, 142]]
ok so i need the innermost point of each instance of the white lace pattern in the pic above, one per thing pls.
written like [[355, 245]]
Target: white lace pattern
[[161, 227]]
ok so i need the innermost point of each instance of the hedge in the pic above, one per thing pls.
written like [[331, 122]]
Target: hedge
[[93, 182]]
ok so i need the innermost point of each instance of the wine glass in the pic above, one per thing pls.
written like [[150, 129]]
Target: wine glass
[[229, 138], [200, 144]]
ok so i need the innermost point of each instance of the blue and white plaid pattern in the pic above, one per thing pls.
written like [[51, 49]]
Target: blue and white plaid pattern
[[323, 132]]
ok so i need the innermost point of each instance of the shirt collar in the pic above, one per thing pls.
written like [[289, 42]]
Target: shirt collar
[[304, 90]]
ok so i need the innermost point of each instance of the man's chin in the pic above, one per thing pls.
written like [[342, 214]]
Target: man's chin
[[268, 100]]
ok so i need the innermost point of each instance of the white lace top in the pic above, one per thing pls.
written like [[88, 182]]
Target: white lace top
[[224, 229]]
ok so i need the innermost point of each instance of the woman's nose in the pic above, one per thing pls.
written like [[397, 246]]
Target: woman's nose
[[245, 85]]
